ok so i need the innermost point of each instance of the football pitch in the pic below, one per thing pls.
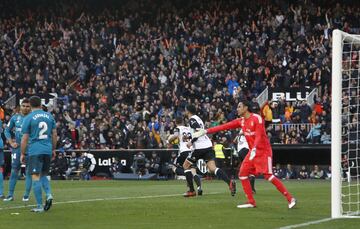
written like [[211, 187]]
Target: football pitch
[[159, 204]]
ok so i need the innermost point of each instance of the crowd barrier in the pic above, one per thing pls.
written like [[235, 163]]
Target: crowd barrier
[[300, 154]]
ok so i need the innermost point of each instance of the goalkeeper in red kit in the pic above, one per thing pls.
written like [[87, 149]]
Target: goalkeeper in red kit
[[259, 160]]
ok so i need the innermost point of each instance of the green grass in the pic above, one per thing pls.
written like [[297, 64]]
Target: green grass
[[155, 204]]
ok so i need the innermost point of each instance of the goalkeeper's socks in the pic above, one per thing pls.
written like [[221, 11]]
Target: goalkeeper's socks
[[189, 180], [247, 190], [12, 181], [37, 192], [179, 171], [46, 185], [197, 180], [280, 186], [221, 175], [28, 183]]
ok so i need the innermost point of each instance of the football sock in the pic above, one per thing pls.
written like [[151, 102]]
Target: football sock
[[280, 186], [28, 183], [12, 181], [197, 180], [221, 175], [179, 171], [37, 192], [189, 180], [247, 190], [46, 185]]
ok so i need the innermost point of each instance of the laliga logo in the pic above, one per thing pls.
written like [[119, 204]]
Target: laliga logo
[[109, 161], [101, 162]]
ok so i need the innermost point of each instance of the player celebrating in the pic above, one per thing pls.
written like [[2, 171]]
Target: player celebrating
[[202, 150], [183, 134], [260, 158], [39, 136], [13, 129]]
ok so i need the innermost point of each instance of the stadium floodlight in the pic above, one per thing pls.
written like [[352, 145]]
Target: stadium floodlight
[[345, 127]]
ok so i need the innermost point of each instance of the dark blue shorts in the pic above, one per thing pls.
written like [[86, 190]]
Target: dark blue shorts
[[39, 164]]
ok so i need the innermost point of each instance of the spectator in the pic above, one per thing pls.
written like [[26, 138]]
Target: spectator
[[267, 112], [84, 165], [140, 164], [59, 166], [139, 62], [116, 167], [73, 165], [325, 138], [290, 173], [154, 163], [304, 173], [317, 173], [314, 135], [305, 112], [275, 112], [328, 173], [278, 172]]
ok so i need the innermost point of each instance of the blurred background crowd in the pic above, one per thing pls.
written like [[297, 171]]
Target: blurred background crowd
[[123, 70]]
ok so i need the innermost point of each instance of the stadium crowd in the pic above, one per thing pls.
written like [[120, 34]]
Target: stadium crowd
[[123, 70]]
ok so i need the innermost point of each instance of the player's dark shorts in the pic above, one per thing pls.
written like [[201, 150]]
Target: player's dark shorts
[[1, 157], [242, 153], [39, 163], [181, 158], [206, 154]]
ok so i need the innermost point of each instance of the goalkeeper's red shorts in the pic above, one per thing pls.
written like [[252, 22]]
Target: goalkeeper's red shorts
[[261, 164]]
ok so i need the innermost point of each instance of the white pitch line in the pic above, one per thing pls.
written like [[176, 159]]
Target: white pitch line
[[306, 223], [104, 199]]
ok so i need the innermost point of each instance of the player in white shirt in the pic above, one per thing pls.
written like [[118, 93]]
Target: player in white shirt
[[183, 134], [202, 149]]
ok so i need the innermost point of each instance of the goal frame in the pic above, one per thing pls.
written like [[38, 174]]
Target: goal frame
[[338, 37]]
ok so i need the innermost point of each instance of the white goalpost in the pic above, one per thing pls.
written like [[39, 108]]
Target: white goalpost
[[345, 127]]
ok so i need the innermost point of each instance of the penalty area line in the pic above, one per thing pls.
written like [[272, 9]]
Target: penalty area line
[[102, 199]]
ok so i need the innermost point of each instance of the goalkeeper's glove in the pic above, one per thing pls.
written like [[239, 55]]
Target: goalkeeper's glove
[[252, 154], [199, 133]]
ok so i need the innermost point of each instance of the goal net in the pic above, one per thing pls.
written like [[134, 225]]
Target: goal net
[[345, 146]]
